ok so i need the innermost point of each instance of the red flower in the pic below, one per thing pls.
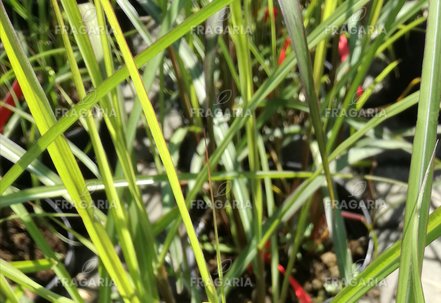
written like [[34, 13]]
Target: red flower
[[285, 47], [266, 16], [301, 294], [359, 91], [343, 48], [5, 113]]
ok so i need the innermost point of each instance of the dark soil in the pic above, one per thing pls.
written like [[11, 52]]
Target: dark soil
[[16, 244]]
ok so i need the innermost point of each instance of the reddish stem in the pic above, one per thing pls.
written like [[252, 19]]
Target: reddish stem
[[266, 16], [298, 290], [301, 294], [285, 47], [5, 113]]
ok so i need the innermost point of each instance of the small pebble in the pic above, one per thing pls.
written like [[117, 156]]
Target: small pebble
[[317, 284], [334, 272], [329, 259]]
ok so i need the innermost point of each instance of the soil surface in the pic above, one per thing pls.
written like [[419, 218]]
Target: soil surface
[[16, 244]]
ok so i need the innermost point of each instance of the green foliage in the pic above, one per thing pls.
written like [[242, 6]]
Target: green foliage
[[243, 93]]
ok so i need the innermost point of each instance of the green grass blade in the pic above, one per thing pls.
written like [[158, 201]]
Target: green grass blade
[[292, 14], [62, 156], [384, 265], [117, 209], [30, 266], [56, 189], [162, 149], [6, 291], [41, 242], [296, 200], [423, 147], [93, 97], [18, 277], [320, 52], [270, 206], [339, 16], [239, 19]]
